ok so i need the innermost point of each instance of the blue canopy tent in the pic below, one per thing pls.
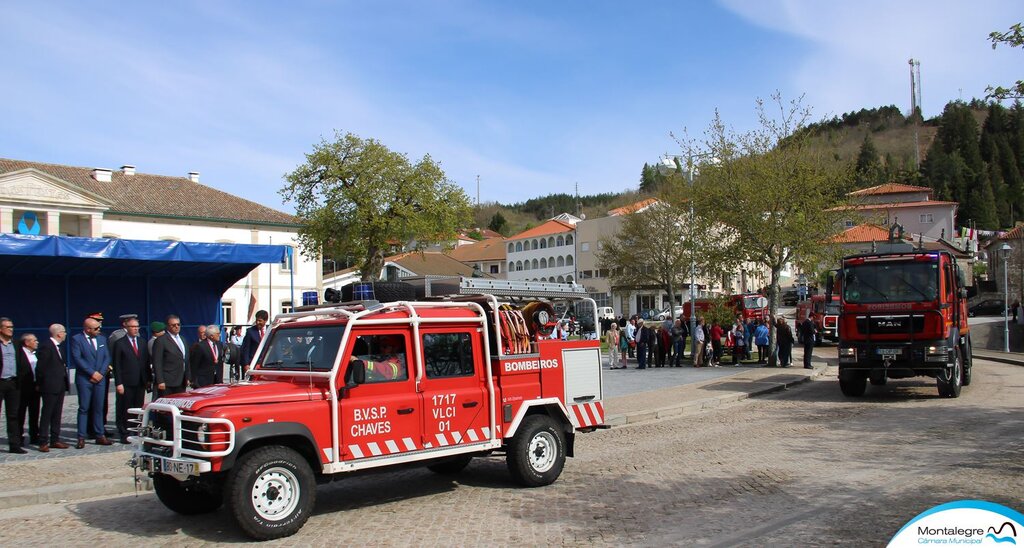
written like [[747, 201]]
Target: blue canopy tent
[[58, 279]]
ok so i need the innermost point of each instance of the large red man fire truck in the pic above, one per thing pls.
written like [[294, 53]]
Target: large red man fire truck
[[357, 386], [903, 314]]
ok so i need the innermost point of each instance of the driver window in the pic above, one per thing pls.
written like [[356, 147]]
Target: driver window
[[383, 356]]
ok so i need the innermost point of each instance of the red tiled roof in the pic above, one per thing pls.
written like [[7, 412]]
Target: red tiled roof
[[863, 233], [492, 249], [890, 188], [1017, 233], [632, 208], [896, 205], [158, 195], [550, 227]]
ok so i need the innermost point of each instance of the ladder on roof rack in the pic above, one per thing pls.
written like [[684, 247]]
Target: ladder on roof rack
[[506, 288]]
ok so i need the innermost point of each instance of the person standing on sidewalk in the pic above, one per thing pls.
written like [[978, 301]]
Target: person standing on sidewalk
[[716, 344], [631, 336], [784, 340], [678, 342], [10, 392], [698, 335], [809, 334], [761, 339], [642, 334], [739, 341], [52, 382], [612, 337], [91, 357]]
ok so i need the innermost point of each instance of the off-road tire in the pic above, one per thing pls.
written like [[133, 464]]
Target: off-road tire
[[271, 492], [451, 466], [385, 292], [536, 454], [188, 499], [853, 386], [951, 388], [968, 361]]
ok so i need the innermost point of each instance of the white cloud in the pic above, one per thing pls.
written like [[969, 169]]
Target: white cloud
[[859, 50]]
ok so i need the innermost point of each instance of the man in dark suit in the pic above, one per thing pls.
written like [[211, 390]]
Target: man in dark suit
[[170, 360], [10, 392], [131, 374], [207, 359], [91, 358], [52, 383], [28, 400], [252, 339]]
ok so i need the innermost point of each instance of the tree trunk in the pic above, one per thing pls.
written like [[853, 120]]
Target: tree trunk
[[773, 311]]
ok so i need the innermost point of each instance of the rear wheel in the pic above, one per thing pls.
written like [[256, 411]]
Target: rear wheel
[[190, 498], [968, 359], [536, 454], [952, 379], [853, 385], [271, 492]]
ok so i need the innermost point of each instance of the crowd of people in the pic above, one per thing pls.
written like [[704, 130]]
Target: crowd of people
[[35, 375], [665, 343]]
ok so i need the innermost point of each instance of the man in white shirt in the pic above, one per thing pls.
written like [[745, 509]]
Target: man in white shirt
[[28, 402]]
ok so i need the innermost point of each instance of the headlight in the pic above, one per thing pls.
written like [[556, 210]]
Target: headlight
[[202, 433], [847, 352]]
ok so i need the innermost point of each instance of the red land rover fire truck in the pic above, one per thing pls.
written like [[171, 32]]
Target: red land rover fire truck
[[356, 386], [903, 314]]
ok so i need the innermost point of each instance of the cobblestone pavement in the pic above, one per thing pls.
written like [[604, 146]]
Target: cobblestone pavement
[[804, 467]]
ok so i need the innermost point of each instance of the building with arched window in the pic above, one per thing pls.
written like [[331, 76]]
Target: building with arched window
[[547, 252]]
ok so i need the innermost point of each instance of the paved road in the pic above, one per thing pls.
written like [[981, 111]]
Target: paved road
[[803, 467]]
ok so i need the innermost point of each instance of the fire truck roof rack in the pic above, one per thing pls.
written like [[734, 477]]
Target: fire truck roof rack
[[505, 288]]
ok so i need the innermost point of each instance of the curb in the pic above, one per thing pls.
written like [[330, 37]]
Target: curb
[[1001, 359], [691, 407], [68, 493]]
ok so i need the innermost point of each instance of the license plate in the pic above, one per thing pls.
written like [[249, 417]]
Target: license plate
[[890, 351], [163, 466]]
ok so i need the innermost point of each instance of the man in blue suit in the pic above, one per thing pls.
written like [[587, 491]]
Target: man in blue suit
[[91, 358]]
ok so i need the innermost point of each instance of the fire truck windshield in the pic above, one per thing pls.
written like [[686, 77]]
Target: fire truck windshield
[[305, 348], [903, 281], [751, 302]]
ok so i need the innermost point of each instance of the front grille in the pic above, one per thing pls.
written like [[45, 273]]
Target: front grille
[[890, 325]]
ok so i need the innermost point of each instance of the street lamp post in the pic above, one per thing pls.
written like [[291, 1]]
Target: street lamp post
[[334, 270], [1005, 251], [690, 158]]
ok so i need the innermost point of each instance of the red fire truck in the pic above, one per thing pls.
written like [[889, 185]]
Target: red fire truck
[[825, 316], [346, 388], [750, 305], [903, 313]]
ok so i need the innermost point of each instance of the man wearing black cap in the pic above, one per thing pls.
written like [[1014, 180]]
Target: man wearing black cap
[[131, 373]]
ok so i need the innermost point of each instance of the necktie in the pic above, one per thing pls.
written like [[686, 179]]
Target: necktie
[[135, 347], [261, 333], [93, 341], [213, 348]]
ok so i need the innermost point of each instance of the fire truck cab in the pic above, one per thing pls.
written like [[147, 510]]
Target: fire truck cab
[[824, 314], [903, 313], [351, 387]]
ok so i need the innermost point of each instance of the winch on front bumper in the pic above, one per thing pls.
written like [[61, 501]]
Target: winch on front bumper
[[169, 442]]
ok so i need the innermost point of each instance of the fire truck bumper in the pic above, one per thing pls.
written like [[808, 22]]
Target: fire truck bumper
[[896, 359]]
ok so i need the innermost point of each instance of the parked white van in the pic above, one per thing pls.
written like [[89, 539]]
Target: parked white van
[[605, 313]]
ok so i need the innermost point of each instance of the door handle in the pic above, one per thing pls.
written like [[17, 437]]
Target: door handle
[[405, 410], [470, 404], [583, 398]]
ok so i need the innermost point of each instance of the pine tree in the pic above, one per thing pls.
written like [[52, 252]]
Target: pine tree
[[498, 223], [868, 170], [983, 205]]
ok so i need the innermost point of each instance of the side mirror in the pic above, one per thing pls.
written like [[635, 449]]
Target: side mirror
[[355, 374], [829, 282], [972, 290]]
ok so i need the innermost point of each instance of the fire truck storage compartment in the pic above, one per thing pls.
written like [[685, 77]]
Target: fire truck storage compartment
[[582, 375]]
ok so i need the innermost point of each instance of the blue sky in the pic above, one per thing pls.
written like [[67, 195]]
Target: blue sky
[[532, 96]]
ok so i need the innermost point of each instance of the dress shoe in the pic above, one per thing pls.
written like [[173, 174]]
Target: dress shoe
[[43, 448], [80, 444], [18, 451], [102, 440], [125, 441], [59, 445]]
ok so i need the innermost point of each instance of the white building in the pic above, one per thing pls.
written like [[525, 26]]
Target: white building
[[50, 199], [545, 253]]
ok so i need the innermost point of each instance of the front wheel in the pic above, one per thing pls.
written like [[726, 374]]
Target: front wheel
[[853, 385], [952, 380], [199, 496], [536, 454], [271, 492]]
